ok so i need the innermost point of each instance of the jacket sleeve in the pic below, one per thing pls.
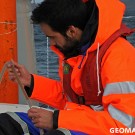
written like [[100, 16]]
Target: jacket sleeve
[[84, 119], [118, 79], [48, 91]]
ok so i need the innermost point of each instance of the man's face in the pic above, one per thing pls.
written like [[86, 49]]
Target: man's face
[[66, 45]]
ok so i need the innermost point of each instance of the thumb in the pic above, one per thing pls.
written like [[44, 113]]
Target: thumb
[[15, 64]]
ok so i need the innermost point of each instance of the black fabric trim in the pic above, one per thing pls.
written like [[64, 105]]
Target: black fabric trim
[[8, 126], [91, 28], [54, 132], [29, 90], [55, 119]]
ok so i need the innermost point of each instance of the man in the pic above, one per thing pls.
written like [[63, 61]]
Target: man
[[78, 29]]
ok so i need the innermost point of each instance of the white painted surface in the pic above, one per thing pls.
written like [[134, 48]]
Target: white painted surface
[[16, 108], [13, 108]]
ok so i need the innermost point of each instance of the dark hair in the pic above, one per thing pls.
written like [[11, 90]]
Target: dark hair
[[60, 14]]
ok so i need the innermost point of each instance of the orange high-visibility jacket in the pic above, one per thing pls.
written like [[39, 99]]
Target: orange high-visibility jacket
[[117, 75]]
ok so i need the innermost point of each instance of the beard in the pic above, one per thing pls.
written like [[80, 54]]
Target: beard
[[70, 49]]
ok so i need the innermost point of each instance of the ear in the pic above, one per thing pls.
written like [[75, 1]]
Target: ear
[[72, 31]]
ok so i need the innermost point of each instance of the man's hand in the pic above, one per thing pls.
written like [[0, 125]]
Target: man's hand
[[41, 118], [22, 72]]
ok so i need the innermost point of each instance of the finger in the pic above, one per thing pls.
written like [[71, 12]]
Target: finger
[[12, 74], [33, 115], [16, 64], [38, 125], [10, 69], [12, 78], [35, 120], [9, 64], [34, 110]]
